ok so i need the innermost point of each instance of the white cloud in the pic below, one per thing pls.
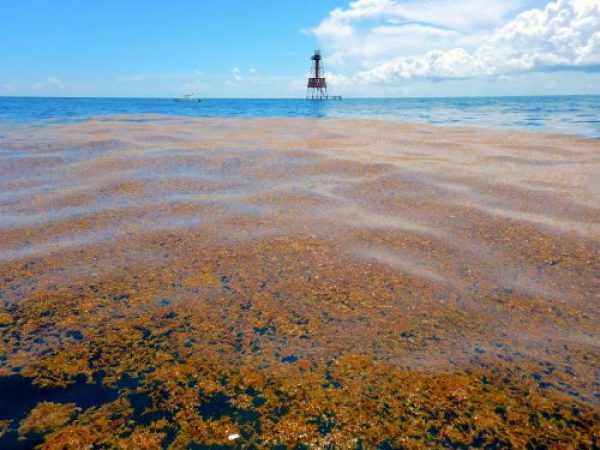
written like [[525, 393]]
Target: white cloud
[[233, 83], [166, 83], [387, 41], [337, 80], [149, 76], [50, 84], [468, 14], [370, 31], [236, 73], [53, 81]]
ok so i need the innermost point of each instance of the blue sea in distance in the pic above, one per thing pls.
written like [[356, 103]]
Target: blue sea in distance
[[576, 115]]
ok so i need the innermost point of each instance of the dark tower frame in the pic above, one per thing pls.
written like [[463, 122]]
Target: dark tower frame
[[317, 85]]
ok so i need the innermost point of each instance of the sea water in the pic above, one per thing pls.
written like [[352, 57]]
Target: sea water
[[576, 115]]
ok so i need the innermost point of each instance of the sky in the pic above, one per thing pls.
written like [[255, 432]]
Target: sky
[[262, 48]]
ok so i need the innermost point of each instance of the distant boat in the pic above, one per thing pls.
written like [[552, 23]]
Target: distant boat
[[188, 98]]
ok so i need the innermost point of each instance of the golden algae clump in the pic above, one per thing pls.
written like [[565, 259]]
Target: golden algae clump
[[4, 427], [46, 417], [5, 319]]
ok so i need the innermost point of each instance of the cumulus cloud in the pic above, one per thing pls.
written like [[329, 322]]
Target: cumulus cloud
[[563, 35], [370, 31], [465, 14]]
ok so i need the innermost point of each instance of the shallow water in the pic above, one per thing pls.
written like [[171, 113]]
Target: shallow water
[[301, 281], [576, 115]]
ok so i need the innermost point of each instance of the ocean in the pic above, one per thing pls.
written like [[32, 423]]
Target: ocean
[[574, 115], [169, 281]]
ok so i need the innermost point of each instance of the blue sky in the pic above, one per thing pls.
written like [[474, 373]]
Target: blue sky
[[261, 48]]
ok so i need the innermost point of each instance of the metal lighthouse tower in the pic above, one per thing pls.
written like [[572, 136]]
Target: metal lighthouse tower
[[317, 85]]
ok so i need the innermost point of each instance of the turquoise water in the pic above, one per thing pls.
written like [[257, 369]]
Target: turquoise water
[[577, 115]]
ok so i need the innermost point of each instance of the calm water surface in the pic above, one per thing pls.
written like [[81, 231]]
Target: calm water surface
[[577, 115]]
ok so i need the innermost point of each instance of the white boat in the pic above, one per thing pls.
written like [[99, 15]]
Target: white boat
[[188, 98]]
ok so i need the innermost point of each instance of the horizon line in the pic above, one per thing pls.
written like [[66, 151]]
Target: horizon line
[[108, 97]]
